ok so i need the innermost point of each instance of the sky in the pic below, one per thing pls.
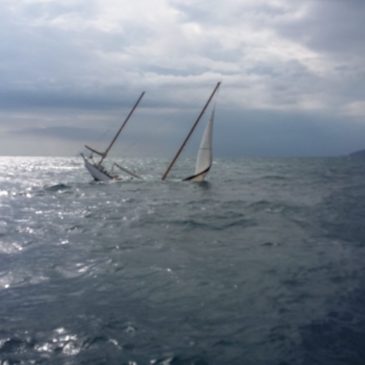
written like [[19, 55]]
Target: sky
[[292, 75]]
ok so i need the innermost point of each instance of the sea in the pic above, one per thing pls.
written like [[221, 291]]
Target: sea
[[263, 264]]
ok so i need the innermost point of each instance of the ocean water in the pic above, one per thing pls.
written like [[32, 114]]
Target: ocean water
[[262, 265]]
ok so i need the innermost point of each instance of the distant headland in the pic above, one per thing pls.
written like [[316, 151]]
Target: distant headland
[[360, 153]]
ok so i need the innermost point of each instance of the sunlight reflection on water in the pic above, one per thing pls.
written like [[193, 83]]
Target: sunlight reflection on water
[[160, 273]]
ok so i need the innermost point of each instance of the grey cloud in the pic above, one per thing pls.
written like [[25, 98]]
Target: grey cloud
[[66, 98], [275, 133], [84, 72], [213, 13], [330, 26], [56, 9], [63, 132]]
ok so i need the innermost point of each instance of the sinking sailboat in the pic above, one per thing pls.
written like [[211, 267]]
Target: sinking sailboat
[[205, 155], [96, 168]]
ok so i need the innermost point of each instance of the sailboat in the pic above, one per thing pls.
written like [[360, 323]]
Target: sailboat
[[96, 168], [205, 156]]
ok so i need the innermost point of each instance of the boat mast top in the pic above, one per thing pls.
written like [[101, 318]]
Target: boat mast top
[[121, 128]]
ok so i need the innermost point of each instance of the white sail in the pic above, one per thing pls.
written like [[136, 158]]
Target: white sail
[[205, 156], [178, 153]]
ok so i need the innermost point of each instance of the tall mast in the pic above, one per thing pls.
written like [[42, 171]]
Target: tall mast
[[121, 128], [190, 133]]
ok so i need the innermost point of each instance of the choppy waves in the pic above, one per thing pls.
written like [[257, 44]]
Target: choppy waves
[[262, 265]]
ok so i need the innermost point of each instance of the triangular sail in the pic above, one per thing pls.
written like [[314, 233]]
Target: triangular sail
[[190, 132], [205, 156]]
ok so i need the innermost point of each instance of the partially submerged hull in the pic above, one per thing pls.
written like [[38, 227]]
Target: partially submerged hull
[[97, 172], [199, 177]]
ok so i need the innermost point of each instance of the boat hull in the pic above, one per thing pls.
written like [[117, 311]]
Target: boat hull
[[199, 177], [96, 172]]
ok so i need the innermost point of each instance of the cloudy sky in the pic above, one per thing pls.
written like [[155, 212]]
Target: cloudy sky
[[292, 74]]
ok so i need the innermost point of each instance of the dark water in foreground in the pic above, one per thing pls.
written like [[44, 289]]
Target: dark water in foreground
[[264, 265]]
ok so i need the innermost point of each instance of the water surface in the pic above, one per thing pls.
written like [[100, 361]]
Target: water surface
[[262, 265]]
